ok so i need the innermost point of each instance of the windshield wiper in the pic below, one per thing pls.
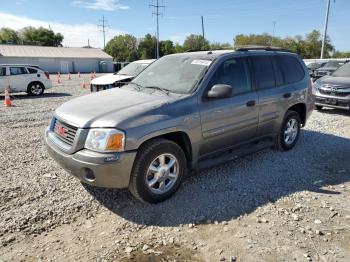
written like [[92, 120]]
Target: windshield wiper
[[165, 91], [139, 87]]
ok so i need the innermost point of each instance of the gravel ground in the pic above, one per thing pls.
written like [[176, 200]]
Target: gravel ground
[[269, 206]]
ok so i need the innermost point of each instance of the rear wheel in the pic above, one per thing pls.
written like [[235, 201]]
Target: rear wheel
[[289, 132], [159, 168], [35, 89], [319, 108]]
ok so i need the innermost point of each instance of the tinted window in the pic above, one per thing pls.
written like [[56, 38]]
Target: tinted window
[[233, 72], [17, 70], [2, 71], [32, 70], [264, 72], [278, 73], [291, 69]]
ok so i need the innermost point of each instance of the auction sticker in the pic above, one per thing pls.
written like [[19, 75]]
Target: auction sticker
[[201, 62]]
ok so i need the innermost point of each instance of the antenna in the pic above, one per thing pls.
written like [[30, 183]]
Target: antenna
[[203, 33], [157, 13], [103, 25], [273, 32]]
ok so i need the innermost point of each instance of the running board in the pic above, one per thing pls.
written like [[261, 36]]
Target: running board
[[234, 153]]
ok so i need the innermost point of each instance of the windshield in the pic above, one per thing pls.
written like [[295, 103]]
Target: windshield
[[133, 69], [176, 73], [343, 71], [331, 64]]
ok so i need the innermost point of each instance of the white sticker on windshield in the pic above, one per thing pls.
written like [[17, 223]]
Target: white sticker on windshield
[[201, 62]]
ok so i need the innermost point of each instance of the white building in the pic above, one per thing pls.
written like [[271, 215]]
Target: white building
[[58, 59]]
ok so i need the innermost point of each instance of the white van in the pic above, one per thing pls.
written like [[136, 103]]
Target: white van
[[24, 78]]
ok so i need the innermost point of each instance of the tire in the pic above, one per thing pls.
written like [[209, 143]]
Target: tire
[[151, 181], [282, 142], [35, 89], [318, 108]]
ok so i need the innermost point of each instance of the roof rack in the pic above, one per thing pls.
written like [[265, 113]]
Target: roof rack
[[261, 48]]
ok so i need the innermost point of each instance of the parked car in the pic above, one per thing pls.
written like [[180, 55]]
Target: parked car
[[334, 90], [124, 76], [184, 111], [328, 68], [313, 67], [24, 78]]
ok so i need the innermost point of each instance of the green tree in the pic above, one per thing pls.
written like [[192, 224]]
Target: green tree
[[147, 47], [220, 46], [123, 48], [8, 35], [41, 36], [166, 47], [178, 48], [339, 54], [195, 43]]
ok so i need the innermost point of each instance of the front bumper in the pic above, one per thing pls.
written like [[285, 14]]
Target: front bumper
[[333, 102], [110, 170]]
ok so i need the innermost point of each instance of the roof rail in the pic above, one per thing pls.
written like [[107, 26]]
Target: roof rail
[[261, 48]]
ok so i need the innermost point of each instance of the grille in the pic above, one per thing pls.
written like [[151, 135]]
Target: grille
[[337, 92], [64, 132]]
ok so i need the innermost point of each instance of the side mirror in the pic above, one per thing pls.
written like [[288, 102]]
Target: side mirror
[[220, 91]]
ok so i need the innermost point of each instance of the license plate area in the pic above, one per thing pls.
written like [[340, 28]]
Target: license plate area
[[331, 101]]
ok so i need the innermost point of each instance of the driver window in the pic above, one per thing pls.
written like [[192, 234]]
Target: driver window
[[233, 72]]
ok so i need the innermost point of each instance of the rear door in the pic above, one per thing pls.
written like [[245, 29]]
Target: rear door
[[3, 79], [229, 121], [18, 78]]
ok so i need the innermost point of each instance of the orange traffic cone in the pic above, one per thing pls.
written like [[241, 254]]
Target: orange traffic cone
[[7, 98], [59, 78], [69, 76], [83, 85]]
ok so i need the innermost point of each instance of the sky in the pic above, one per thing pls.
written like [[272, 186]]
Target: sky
[[78, 20]]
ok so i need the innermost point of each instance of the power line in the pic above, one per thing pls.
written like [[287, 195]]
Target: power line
[[157, 14], [103, 25]]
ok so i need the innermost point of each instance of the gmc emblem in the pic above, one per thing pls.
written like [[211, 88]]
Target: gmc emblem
[[60, 130]]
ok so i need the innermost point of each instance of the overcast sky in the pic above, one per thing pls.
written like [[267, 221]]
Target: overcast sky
[[78, 20]]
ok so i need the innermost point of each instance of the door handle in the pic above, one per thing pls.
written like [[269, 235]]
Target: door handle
[[250, 103], [287, 95]]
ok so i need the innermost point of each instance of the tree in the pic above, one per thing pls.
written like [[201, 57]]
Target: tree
[[41, 36], [123, 48], [147, 47], [220, 46], [166, 47], [339, 54], [178, 48], [195, 43], [8, 35]]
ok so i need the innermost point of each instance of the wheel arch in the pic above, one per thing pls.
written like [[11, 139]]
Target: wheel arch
[[300, 108], [33, 82]]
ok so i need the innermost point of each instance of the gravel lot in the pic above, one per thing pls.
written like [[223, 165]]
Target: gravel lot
[[269, 206]]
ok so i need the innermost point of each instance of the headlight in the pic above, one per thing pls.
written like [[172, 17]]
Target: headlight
[[105, 140]]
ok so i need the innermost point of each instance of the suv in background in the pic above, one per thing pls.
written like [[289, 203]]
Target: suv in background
[[313, 67], [328, 68], [184, 112], [24, 78]]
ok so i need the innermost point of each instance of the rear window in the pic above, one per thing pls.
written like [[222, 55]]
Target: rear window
[[17, 71], [32, 70], [264, 72], [291, 68], [2, 71]]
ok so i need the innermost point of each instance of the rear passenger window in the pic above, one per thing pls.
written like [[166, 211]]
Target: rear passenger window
[[233, 72], [2, 71], [17, 71], [291, 68], [264, 73], [32, 70]]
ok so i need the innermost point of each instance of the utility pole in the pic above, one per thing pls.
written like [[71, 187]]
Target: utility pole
[[203, 33], [273, 31], [103, 25], [325, 29], [157, 14]]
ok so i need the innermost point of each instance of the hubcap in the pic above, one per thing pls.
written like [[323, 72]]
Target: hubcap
[[291, 131], [162, 173], [36, 89]]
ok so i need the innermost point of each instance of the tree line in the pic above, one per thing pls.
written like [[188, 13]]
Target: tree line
[[129, 48], [30, 36]]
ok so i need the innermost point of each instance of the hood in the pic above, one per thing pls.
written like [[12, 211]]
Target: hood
[[327, 69], [109, 79], [336, 81], [109, 108]]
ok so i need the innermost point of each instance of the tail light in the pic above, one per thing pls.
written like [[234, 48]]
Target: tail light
[[47, 75]]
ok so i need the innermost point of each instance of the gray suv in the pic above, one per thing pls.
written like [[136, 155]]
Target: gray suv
[[184, 112]]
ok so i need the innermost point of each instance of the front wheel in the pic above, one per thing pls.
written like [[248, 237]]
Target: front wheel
[[319, 108], [289, 132], [35, 89], [159, 168]]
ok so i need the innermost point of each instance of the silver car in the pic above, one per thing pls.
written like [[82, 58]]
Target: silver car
[[184, 112]]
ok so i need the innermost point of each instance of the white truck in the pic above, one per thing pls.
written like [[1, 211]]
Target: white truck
[[24, 78]]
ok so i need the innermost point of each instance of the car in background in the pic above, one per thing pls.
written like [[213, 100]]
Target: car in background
[[328, 68], [123, 77], [24, 78], [334, 90], [313, 67]]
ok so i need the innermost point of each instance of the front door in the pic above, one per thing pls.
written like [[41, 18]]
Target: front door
[[3, 79], [229, 121], [18, 78]]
